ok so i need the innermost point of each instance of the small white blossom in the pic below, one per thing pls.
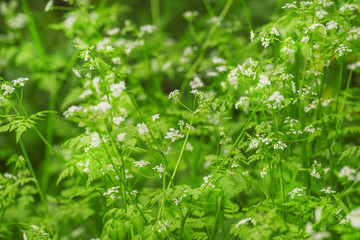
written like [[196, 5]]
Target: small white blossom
[[354, 66], [354, 218], [343, 221], [76, 72], [121, 137], [118, 120], [265, 42], [349, 173], [147, 29], [141, 163], [154, 117], [142, 128], [327, 190], [243, 102], [320, 14], [348, 7], [8, 89], [173, 135], [189, 147], [254, 144], [274, 32], [196, 83], [331, 25], [190, 15], [342, 49], [280, 145], [305, 39], [117, 88], [263, 82], [174, 94], [252, 35], [263, 173], [20, 82], [86, 93], [289, 5], [245, 220], [116, 60], [296, 192]]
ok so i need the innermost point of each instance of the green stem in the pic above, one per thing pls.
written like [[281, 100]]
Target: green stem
[[38, 132], [34, 33], [339, 119], [176, 167], [247, 15], [41, 193], [203, 47], [217, 217]]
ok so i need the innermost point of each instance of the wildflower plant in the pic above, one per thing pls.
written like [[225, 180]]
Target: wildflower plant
[[204, 121]]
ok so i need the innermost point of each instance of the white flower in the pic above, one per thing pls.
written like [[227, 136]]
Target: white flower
[[263, 82], [147, 29], [327, 190], [296, 192], [342, 49], [354, 217], [252, 35], [117, 88], [174, 94], [265, 42], [154, 117], [243, 102], [189, 147], [76, 72], [254, 144], [245, 220], [218, 60], [343, 221], [118, 120], [103, 106], [196, 83], [116, 60], [354, 66], [331, 25], [277, 100], [304, 39], [263, 173], [280, 145], [86, 93], [233, 77], [190, 15], [348, 7], [142, 128], [72, 110], [274, 32], [321, 14], [348, 173], [173, 135], [315, 174], [113, 31], [141, 163], [289, 5], [159, 169], [20, 82], [95, 141], [8, 89], [121, 137]]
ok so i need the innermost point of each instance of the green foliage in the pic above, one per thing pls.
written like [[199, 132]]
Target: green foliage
[[215, 119]]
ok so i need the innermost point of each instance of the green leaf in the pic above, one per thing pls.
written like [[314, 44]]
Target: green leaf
[[354, 151]]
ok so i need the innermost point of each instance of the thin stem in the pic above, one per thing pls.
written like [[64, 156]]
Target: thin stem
[[203, 47], [41, 193], [38, 132]]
